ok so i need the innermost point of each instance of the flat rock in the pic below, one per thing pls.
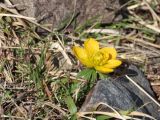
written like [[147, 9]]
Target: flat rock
[[56, 12], [121, 94]]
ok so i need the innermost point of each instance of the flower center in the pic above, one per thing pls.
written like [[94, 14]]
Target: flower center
[[100, 58]]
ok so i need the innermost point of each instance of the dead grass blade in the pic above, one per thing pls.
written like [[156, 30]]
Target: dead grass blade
[[16, 16], [118, 114], [54, 107], [140, 88], [140, 114]]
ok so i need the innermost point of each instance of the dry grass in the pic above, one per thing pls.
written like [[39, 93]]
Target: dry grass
[[38, 74]]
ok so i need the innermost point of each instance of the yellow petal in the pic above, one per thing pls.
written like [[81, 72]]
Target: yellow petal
[[113, 63], [91, 46], [103, 69], [111, 51], [82, 56]]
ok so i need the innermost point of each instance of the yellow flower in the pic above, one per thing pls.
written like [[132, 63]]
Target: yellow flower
[[103, 60]]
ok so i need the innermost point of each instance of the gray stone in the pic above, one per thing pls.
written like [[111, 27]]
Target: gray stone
[[121, 94], [55, 12]]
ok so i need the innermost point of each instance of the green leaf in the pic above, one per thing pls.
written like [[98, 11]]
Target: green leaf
[[102, 76], [103, 117], [93, 76], [86, 74], [71, 105], [73, 117], [89, 74], [73, 87], [83, 73]]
